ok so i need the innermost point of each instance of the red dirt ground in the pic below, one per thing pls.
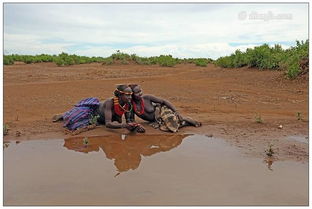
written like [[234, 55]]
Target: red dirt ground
[[226, 101]]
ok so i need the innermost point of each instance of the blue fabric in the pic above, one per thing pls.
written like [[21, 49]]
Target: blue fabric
[[90, 102], [81, 114]]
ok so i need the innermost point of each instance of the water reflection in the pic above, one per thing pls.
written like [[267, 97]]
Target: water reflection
[[269, 161], [125, 150]]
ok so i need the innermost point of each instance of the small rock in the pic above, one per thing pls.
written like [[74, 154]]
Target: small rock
[[123, 137], [18, 133], [209, 135], [280, 126]]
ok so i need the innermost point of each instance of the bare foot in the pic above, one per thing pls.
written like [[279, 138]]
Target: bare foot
[[198, 124], [57, 117]]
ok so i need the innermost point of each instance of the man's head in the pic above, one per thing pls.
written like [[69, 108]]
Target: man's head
[[137, 91], [123, 92]]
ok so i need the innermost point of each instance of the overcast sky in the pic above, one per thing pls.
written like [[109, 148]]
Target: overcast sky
[[182, 30]]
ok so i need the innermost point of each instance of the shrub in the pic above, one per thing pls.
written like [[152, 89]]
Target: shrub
[[293, 57], [152, 60], [143, 61], [293, 70], [226, 62], [124, 62], [8, 60], [65, 59], [261, 57], [166, 61], [108, 61], [266, 57], [239, 59], [120, 56], [29, 59], [59, 61], [201, 62]]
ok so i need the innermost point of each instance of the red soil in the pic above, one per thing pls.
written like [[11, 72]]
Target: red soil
[[226, 101]]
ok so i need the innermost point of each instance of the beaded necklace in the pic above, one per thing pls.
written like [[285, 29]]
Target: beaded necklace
[[120, 110], [136, 109]]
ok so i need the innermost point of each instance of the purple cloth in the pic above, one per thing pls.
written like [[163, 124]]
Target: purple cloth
[[80, 115], [88, 102]]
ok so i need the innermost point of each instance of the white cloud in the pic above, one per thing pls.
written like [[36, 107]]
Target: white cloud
[[210, 50], [192, 30], [28, 44]]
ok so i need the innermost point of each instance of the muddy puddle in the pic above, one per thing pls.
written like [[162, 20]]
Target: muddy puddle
[[147, 170], [302, 139]]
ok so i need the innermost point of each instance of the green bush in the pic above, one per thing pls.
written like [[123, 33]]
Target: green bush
[[292, 58], [201, 62], [133, 57], [144, 61], [166, 61], [65, 59], [263, 57], [266, 57], [29, 59], [120, 56], [124, 62], [239, 60], [8, 60], [59, 61], [108, 61], [152, 60], [293, 71], [226, 62]]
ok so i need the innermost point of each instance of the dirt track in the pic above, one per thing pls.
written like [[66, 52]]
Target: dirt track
[[226, 101]]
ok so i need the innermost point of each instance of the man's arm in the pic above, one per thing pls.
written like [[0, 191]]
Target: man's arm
[[164, 102], [161, 101], [108, 117], [131, 126]]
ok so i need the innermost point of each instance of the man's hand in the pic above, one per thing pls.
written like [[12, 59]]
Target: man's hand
[[131, 126], [140, 129], [135, 127], [179, 116]]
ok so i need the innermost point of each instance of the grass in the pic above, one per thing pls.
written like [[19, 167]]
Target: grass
[[299, 116], [5, 129], [85, 141], [258, 119], [93, 120], [270, 152]]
